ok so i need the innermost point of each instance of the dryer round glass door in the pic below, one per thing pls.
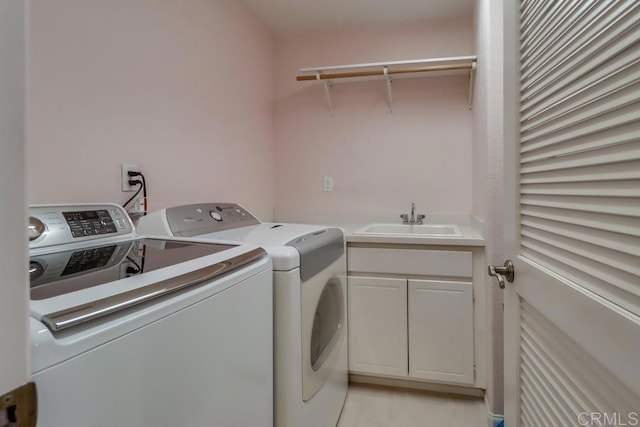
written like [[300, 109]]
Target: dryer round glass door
[[327, 321], [323, 326]]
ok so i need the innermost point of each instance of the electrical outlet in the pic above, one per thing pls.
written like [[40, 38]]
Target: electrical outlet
[[125, 177], [138, 205], [327, 183], [137, 208]]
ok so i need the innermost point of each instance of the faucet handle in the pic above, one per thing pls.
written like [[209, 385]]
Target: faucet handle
[[420, 218], [405, 218]]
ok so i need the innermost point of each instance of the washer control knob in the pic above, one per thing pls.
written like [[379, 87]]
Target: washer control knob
[[35, 270], [36, 228], [216, 215]]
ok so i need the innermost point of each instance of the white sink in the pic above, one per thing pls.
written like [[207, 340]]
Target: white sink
[[423, 230]]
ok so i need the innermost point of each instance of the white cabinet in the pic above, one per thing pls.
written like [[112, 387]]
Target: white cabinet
[[410, 261], [441, 331], [418, 327], [378, 325]]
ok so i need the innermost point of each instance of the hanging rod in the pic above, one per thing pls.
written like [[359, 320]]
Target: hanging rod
[[381, 72]]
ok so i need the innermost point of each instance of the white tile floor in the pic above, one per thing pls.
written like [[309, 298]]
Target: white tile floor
[[373, 406]]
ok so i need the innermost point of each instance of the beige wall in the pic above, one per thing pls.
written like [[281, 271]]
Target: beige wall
[[380, 162], [183, 89]]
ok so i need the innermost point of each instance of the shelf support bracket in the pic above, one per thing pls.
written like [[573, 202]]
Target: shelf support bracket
[[472, 80], [327, 93], [389, 92]]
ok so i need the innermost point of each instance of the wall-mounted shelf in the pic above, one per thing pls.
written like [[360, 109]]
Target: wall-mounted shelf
[[388, 71]]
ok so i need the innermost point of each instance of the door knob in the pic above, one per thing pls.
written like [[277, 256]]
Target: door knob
[[502, 273]]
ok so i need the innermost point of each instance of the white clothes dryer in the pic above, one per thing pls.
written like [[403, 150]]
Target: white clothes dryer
[[310, 295]]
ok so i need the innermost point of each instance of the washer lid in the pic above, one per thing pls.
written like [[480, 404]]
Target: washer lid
[[60, 272], [85, 284]]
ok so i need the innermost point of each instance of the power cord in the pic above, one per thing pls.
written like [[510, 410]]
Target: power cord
[[133, 270], [133, 182], [142, 186], [137, 269]]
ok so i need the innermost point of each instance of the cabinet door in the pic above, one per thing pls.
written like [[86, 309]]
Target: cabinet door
[[378, 326], [441, 331]]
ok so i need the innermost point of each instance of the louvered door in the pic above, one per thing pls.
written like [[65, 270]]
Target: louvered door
[[572, 182]]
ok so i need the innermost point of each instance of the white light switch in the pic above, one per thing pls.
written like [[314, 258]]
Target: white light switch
[[328, 183]]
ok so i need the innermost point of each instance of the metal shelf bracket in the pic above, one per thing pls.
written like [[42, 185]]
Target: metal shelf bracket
[[472, 80], [389, 92], [327, 93]]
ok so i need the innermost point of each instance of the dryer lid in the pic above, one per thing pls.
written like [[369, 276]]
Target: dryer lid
[[318, 250]]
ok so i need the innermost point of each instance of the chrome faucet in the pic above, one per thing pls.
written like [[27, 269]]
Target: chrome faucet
[[412, 220]]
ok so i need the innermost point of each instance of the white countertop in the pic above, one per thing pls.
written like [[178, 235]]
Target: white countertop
[[470, 227], [470, 237]]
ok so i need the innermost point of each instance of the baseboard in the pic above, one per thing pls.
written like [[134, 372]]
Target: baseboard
[[492, 419], [416, 385]]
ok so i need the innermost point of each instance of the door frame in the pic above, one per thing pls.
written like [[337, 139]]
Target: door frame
[[14, 369], [510, 189]]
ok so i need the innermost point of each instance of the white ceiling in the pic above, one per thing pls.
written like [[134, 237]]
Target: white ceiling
[[292, 16]]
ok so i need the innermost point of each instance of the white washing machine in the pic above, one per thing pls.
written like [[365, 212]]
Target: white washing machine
[[310, 319], [140, 332]]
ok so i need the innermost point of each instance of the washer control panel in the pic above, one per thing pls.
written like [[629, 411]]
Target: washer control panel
[[89, 223], [60, 224], [193, 220]]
